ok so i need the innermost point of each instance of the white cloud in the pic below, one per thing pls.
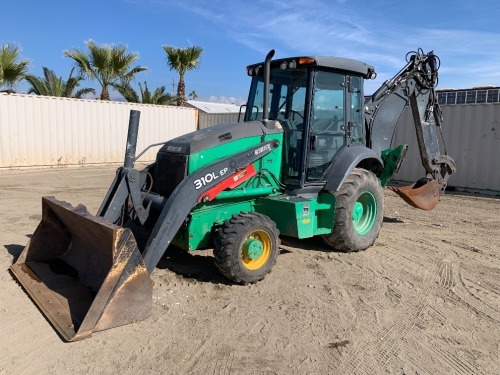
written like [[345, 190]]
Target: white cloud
[[225, 100], [342, 28]]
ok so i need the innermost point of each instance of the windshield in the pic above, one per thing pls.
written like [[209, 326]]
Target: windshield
[[287, 97]]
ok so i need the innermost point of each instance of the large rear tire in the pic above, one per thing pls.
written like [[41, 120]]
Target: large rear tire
[[359, 212], [246, 247]]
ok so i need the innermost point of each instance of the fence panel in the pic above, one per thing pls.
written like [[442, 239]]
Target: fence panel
[[49, 131], [206, 120]]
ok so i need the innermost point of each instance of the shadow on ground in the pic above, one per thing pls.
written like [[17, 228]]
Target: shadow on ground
[[15, 251]]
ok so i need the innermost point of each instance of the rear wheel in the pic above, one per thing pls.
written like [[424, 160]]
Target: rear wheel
[[246, 247], [358, 214]]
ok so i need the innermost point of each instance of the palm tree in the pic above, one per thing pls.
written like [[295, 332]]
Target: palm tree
[[182, 60], [51, 85], [12, 70], [107, 64], [159, 96], [193, 95]]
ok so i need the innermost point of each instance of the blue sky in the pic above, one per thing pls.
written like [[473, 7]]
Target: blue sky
[[236, 33]]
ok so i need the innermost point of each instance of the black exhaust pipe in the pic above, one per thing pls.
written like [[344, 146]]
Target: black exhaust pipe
[[267, 78]]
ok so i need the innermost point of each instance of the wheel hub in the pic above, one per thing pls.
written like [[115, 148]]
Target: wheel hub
[[364, 213], [253, 248], [357, 212]]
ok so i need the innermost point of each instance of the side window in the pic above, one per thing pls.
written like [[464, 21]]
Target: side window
[[328, 102], [356, 104], [291, 116]]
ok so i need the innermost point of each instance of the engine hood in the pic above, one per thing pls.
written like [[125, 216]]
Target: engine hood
[[203, 139]]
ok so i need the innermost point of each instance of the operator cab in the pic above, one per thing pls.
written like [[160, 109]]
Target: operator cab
[[319, 103]]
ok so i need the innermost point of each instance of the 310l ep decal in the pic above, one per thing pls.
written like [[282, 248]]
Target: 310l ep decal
[[208, 178]]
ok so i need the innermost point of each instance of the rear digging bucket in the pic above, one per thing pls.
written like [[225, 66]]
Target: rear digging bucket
[[84, 273], [423, 194]]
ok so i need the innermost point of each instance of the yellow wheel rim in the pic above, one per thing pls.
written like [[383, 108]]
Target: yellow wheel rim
[[256, 250]]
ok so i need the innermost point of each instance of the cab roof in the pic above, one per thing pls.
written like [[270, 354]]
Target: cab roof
[[330, 62]]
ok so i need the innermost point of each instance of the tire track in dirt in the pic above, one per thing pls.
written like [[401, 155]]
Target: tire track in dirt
[[482, 296], [192, 359], [457, 364], [373, 355], [446, 274], [449, 273], [224, 365], [448, 363], [479, 299], [472, 249], [377, 352]]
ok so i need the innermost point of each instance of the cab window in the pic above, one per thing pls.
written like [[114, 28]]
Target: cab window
[[327, 133]]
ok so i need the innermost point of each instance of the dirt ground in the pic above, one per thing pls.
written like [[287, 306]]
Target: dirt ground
[[425, 299]]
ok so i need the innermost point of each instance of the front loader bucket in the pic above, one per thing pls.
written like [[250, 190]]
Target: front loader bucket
[[423, 194], [84, 273]]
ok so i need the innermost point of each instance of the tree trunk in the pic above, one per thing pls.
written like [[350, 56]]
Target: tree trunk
[[105, 93], [181, 92]]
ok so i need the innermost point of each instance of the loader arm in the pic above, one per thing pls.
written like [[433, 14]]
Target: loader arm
[[414, 86], [127, 182]]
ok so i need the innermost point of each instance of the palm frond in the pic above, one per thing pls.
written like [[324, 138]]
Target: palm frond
[[108, 64], [12, 68], [38, 85], [127, 92], [81, 92], [52, 85], [182, 60]]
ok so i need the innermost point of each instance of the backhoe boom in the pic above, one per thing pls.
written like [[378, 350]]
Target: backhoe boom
[[413, 86]]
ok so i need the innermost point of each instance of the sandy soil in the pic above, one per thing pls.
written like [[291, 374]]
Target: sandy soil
[[424, 300]]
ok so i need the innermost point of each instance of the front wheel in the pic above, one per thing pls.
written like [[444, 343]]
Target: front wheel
[[359, 212], [246, 247]]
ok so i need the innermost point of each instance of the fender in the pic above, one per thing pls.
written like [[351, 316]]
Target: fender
[[348, 158]]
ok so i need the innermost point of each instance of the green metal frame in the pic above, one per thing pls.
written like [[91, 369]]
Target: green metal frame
[[300, 217], [196, 234], [294, 216], [392, 159]]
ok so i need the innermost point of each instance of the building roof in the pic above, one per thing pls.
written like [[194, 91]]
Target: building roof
[[209, 107]]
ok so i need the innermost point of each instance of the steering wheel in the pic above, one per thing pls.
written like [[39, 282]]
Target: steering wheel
[[298, 114], [334, 123]]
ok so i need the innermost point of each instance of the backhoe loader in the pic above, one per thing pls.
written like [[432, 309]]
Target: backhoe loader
[[310, 158]]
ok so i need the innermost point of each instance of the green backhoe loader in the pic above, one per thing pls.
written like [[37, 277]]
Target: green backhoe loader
[[310, 158]]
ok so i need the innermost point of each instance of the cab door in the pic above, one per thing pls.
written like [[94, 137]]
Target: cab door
[[327, 123], [336, 120]]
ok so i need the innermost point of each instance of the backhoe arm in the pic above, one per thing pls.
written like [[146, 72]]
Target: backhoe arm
[[414, 86]]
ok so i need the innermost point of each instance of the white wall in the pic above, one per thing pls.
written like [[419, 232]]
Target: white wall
[[49, 131]]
